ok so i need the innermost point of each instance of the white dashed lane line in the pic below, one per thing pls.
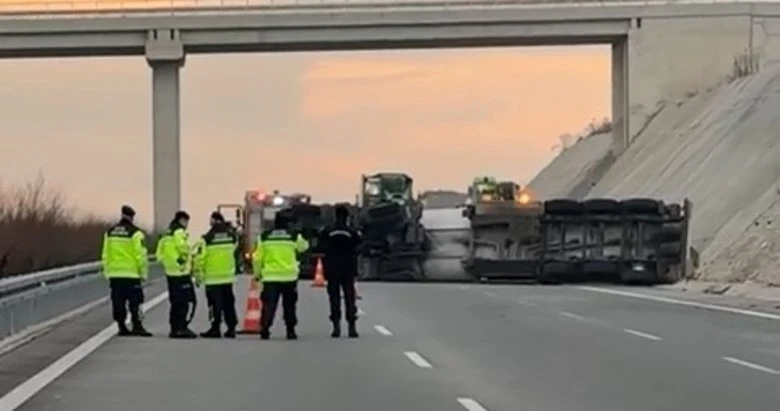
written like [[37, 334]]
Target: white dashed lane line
[[417, 359], [573, 316], [524, 302], [471, 405], [754, 366], [641, 334], [489, 293], [361, 312], [381, 329]]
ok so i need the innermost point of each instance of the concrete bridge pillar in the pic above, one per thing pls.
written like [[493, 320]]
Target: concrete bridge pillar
[[620, 97], [165, 55]]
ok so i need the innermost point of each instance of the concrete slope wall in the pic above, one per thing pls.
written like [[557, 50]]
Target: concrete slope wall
[[571, 167], [672, 58]]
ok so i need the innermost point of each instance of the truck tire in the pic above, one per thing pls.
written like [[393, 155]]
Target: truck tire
[[642, 206], [601, 206], [555, 272], [563, 207]]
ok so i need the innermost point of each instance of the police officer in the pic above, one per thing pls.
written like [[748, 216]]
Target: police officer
[[215, 267], [275, 263], [339, 244], [173, 251], [125, 265]]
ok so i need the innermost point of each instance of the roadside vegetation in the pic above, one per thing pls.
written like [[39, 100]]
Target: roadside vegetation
[[38, 230], [565, 141]]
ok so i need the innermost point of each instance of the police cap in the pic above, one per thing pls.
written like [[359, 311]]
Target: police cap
[[181, 215], [128, 211]]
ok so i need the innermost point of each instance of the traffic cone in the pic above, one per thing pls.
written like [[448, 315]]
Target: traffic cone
[[253, 307], [319, 275]]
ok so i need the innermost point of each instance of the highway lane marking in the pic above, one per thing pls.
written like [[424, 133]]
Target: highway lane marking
[[641, 334], [713, 307], [464, 287], [24, 391], [489, 293], [417, 359], [748, 364], [382, 330], [361, 312], [572, 315], [524, 302], [471, 404]]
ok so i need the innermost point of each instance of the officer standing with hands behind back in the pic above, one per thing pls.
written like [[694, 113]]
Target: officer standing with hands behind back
[[125, 263], [173, 251], [340, 244], [215, 267], [275, 263]]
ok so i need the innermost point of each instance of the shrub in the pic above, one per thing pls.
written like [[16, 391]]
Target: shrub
[[39, 231]]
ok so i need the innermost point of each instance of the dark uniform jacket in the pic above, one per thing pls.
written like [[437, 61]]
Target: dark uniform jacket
[[339, 244]]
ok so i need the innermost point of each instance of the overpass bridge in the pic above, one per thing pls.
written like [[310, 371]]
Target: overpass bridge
[[659, 50], [434, 347]]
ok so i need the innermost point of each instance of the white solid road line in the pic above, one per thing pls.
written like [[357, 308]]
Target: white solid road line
[[471, 405], [572, 315], [382, 330], [24, 391], [751, 365], [641, 334], [705, 306], [417, 359]]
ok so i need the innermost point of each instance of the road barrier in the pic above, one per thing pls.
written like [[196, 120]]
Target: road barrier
[[37, 298]]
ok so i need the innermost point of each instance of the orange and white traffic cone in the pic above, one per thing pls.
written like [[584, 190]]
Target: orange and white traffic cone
[[319, 275], [253, 307]]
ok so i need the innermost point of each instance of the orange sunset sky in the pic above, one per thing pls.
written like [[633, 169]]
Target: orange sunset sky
[[304, 122]]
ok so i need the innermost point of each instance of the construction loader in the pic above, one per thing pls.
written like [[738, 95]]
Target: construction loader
[[388, 216]]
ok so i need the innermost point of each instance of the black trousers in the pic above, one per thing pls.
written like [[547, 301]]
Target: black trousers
[[335, 287], [181, 294], [127, 293], [272, 291], [222, 304]]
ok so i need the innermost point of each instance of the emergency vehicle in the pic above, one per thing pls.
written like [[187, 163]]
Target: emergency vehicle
[[257, 214]]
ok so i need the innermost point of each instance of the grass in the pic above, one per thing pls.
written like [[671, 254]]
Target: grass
[[38, 230]]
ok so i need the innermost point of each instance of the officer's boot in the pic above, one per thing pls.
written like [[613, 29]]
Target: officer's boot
[[140, 331], [123, 331], [336, 333], [230, 333], [212, 332], [265, 334], [291, 335], [353, 330]]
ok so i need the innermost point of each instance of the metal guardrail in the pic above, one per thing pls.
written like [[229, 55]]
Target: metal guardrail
[[113, 8], [32, 299]]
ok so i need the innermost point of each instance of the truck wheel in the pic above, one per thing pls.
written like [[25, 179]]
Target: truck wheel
[[642, 206], [601, 206], [562, 207]]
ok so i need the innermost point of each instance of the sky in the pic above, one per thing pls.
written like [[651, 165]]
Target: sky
[[309, 122]]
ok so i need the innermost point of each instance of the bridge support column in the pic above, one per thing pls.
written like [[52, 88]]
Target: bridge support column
[[165, 55], [620, 89]]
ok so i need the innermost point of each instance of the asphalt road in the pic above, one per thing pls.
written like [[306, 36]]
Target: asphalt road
[[446, 347]]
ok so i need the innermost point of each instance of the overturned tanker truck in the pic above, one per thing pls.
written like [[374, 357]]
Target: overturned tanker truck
[[633, 241]]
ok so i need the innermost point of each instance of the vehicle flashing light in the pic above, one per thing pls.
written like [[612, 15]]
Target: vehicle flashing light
[[524, 198], [278, 200]]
